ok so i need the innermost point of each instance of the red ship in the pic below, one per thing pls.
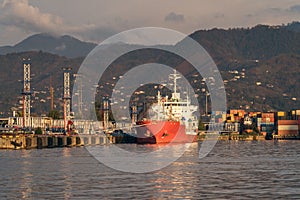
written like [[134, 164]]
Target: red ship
[[163, 132], [173, 121]]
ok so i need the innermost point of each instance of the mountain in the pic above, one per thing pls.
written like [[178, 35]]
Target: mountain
[[260, 67], [64, 46], [294, 26], [258, 43]]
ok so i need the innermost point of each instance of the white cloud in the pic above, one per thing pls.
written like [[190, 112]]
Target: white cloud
[[29, 19], [20, 14]]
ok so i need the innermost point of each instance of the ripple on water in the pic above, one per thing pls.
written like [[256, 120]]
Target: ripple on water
[[235, 170]]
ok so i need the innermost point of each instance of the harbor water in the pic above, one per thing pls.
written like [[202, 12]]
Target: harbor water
[[233, 170]]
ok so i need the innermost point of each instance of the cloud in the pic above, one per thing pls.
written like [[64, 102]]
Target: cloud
[[219, 16], [99, 19], [27, 18], [20, 14], [173, 17], [295, 8]]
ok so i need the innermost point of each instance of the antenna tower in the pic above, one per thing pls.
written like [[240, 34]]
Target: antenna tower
[[67, 96], [26, 92]]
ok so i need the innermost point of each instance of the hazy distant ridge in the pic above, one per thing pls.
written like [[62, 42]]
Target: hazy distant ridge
[[64, 46]]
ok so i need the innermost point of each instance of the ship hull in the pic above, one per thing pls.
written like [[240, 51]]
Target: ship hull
[[159, 132]]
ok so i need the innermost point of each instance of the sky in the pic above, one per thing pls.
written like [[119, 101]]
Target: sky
[[96, 20]]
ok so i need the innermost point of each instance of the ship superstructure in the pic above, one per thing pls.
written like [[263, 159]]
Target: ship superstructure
[[171, 119]]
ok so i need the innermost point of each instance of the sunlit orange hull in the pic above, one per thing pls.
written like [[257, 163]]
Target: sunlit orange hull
[[157, 132]]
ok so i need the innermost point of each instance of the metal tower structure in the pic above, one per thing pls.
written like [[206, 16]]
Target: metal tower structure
[[105, 112], [26, 92], [79, 93], [67, 96]]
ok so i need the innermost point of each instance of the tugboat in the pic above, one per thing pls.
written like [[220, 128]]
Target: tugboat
[[173, 120]]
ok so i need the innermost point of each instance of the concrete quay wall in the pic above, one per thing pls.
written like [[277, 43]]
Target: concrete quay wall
[[52, 141]]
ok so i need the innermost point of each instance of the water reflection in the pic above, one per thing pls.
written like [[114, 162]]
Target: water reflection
[[233, 170], [26, 176]]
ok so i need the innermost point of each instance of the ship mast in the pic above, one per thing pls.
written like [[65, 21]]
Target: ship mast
[[175, 76]]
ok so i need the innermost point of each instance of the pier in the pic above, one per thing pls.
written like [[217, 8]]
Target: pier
[[61, 141], [278, 137], [53, 141], [232, 136]]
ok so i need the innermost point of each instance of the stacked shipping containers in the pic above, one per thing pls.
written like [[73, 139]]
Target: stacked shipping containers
[[295, 115], [235, 115], [217, 116], [288, 123], [284, 123], [288, 128], [267, 123], [232, 120]]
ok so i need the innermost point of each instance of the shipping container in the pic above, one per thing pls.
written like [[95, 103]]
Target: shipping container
[[233, 112], [269, 128], [267, 115], [287, 122], [281, 114], [224, 117], [258, 122], [287, 133], [288, 128]]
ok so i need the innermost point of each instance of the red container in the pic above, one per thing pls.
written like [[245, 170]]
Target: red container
[[233, 112], [287, 122], [267, 115], [287, 133]]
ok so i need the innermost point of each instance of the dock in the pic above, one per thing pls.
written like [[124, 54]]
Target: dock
[[53, 141], [278, 137], [233, 136]]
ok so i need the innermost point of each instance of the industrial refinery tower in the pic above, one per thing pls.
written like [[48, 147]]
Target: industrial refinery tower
[[26, 93], [67, 97]]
